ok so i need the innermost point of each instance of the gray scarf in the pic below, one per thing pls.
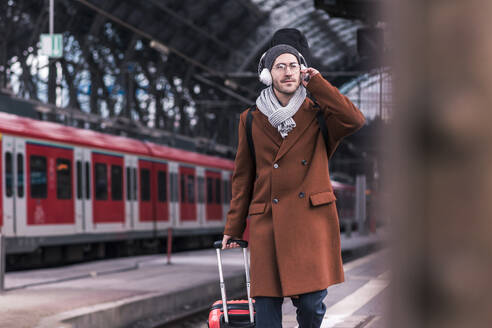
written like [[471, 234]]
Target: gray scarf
[[278, 116]]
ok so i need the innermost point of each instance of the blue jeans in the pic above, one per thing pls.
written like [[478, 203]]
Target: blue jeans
[[310, 310]]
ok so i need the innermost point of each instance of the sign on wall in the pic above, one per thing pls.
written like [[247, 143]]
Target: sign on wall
[[52, 45]]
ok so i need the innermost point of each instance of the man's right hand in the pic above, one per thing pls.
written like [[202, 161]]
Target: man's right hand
[[231, 245]]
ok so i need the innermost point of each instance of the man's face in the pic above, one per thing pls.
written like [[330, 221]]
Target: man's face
[[286, 74]]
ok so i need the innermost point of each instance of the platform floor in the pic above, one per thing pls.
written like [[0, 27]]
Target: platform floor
[[359, 301], [145, 292]]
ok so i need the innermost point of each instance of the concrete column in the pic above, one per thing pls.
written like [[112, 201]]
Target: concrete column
[[441, 161]]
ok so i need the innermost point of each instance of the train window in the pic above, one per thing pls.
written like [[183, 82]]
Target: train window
[[201, 186], [171, 186], [217, 191], [79, 179], [116, 182], [162, 186], [134, 177], [191, 189], [183, 194], [87, 181], [210, 191], [224, 189], [63, 178], [20, 175], [128, 184], [145, 185], [101, 181], [38, 179], [9, 183], [174, 187]]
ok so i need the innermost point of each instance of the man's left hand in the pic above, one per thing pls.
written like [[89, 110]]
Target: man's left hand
[[307, 74]]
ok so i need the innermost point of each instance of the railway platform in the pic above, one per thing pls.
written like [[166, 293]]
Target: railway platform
[[137, 291]]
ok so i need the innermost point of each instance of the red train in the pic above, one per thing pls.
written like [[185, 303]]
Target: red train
[[64, 186]]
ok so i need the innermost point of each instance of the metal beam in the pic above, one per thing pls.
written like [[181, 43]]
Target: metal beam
[[149, 37], [227, 91], [217, 103], [194, 27]]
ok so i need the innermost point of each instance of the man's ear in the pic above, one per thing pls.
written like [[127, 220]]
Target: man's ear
[[266, 77]]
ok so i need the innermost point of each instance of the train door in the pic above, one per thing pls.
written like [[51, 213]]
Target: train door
[[187, 192], [131, 204], [200, 173], [146, 208], [79, 188], [87, 190], [8, 215], [213, 196], [160, 189], [153, 204], [14, 198], [20, 183], [108, 185], [173, 193], [50, 193]]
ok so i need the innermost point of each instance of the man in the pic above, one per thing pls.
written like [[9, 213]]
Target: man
[[286, 189]]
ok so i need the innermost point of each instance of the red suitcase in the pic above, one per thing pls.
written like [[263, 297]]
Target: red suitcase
[[235, 313]]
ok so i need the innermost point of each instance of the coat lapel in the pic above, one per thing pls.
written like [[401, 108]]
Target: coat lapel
[[303, 118], [269, 130]]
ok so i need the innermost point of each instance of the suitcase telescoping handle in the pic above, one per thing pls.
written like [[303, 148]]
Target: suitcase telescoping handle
[[244, 245], [240, 242]]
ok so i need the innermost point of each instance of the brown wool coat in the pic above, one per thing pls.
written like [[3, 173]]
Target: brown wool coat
[[294, 243]]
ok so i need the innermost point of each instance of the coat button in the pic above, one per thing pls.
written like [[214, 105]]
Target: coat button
[[304, 162], [275, 166], [301, 195], [275, 201]]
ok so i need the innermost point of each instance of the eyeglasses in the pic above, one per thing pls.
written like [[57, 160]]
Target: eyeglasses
[[294, 67]]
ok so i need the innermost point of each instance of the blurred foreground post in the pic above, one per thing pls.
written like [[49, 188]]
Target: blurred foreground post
[[441, 156]]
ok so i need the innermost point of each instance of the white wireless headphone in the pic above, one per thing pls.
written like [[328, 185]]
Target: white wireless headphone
[[265, 75]]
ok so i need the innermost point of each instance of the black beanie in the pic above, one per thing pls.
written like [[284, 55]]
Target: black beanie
[[294, 38], [276, 51]]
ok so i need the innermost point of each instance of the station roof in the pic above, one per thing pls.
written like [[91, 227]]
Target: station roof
[[201, 31]]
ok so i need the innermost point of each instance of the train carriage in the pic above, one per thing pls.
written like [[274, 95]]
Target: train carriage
[[63, 185]]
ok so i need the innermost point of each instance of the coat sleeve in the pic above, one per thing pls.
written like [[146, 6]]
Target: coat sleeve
[[342, 116], [242, 185]]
